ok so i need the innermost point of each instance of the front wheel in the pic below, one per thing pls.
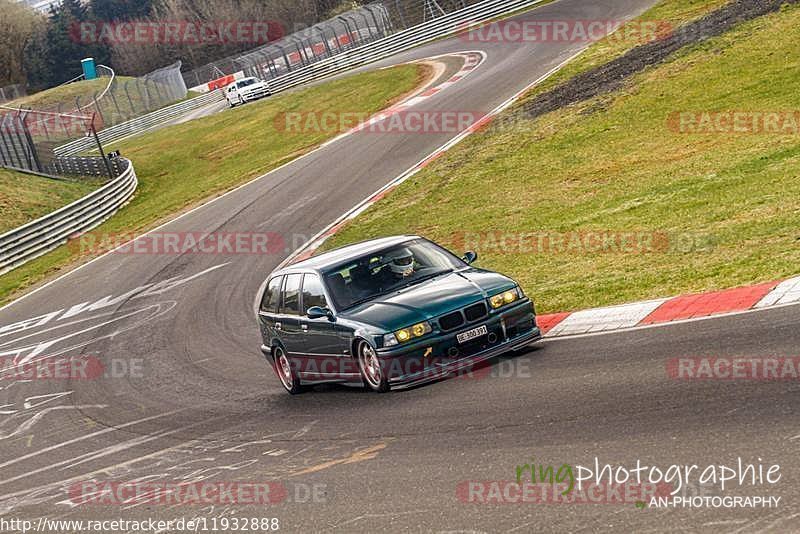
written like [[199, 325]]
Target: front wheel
[[285, 371], [370, 366]]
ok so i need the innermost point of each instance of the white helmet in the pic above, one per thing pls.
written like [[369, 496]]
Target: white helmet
[[401, 262]]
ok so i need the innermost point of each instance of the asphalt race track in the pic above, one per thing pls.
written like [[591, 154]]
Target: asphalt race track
[[189, 396]]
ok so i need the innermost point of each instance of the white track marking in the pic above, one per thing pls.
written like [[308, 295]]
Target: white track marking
[[113, 449], [787, 292], [88, 436]]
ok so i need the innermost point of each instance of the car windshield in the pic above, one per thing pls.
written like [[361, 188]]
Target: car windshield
[[370, 276], [246, 82]]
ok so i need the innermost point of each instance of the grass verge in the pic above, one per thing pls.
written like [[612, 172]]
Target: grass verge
[[25, 197], [185, 165], [706, 211]]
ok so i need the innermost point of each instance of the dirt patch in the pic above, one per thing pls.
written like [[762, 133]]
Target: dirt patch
[[609, 77]]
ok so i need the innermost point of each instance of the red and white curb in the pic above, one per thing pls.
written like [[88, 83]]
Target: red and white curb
[[687, 307]]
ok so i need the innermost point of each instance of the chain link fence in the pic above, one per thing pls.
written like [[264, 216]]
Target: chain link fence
[[12, 92], [28, 137], [124, 98], [349, 30]]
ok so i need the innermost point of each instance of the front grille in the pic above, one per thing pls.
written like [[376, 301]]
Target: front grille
[[478, 311], [451, 321]]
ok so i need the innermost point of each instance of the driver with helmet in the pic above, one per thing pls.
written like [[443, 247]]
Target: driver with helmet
[[398, 264]]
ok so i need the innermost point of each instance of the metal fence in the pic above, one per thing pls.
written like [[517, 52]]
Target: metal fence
[[29, 137], [12, 92], [454, 22], [28, 140], [123, 98], [325, 39], [344, 32]]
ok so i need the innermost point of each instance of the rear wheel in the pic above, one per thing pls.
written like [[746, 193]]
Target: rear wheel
[[285, 371], [371, 370]]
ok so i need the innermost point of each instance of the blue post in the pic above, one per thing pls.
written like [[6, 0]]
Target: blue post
[[89, 70]]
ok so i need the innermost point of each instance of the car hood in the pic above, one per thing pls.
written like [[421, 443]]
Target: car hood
[[429, 299], [254, 87]]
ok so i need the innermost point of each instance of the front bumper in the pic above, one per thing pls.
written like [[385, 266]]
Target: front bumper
[[255, 95], [435, 358]]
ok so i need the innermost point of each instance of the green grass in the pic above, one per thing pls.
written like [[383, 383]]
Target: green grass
[[24, 197], [62, 94], [182, 166], [613, 165]]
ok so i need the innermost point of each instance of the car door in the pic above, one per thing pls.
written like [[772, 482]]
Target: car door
[[268, 310], [288, 321], [325, 344]]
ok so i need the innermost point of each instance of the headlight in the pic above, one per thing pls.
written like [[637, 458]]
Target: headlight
[[407, 334], [505, 298]]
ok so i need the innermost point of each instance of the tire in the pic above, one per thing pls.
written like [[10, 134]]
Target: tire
[[285, 371], [371, 372], [241, 102]]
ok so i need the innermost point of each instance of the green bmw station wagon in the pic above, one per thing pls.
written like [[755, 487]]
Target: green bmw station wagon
[[388, 313]]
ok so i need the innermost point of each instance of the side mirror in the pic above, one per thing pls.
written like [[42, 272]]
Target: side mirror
[[318, 312], [470, 257]]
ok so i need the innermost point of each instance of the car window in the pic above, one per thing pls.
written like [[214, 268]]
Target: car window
[[313, 295], [291, 295], [269, 304], [392, 269]]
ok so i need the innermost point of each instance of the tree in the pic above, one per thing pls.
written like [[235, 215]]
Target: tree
[[116, 10], [20, 25], [63, 47]]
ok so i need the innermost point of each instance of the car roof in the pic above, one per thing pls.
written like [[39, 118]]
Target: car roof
[[343, 254]]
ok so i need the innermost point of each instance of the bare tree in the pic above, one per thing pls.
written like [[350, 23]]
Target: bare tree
[[20, 25]]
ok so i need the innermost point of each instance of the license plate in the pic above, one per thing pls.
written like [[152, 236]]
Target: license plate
[[469, 335]]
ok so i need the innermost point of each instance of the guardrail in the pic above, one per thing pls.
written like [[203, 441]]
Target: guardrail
[[38, 237], [140, 124]]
